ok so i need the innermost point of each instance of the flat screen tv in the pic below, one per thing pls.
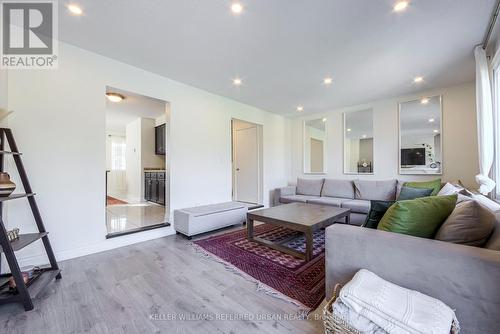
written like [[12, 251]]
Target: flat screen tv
[[413, 157]]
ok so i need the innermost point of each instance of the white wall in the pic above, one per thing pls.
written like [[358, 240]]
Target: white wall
[[133, 144], [3, 89], [59, 122], [459, 137]]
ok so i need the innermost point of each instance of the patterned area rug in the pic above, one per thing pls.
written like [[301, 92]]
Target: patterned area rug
[[299, 280], [114, 201]]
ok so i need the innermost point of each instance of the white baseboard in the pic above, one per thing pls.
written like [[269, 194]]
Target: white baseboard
[[103, 246]]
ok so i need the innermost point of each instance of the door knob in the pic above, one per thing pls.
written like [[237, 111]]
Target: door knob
[[237, 169]]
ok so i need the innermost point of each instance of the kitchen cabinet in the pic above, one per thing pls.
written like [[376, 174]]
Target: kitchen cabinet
[[160, 140], [154, 187]]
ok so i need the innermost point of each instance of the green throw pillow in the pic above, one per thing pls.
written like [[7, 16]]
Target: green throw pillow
[[377, 211], [435, 185], [420, 217], [412, 193]]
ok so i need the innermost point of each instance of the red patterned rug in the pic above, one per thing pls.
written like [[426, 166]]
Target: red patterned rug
[[299, 280], [114, 201]]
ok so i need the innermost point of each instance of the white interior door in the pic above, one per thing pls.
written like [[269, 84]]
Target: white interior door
[[246, 165]]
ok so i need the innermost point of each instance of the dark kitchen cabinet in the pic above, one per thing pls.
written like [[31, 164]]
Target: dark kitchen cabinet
[[154, 187], [161, 192], [147, 187], [160, 142]]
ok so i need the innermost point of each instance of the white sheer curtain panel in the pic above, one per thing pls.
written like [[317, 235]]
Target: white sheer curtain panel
[[484, 109]]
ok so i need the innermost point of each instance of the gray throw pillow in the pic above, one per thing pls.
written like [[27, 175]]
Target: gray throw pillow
[[412, 193], [469, 224], [377, 211]]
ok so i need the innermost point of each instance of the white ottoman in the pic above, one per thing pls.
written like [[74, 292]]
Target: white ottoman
[[201, 219]]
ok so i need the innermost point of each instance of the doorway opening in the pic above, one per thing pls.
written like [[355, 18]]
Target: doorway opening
[[137, 173], [247, 161]]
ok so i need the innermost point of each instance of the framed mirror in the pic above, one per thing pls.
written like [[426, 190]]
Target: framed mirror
[[315, 136], [358, 142], [420, 136]]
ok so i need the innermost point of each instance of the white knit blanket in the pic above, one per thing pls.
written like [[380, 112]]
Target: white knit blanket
[[395, 309]]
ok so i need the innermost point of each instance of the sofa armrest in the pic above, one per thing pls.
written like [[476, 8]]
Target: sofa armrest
[[465, 278], [287, 191]]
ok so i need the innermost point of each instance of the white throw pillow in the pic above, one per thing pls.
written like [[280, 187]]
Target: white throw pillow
[[488, 203], [450, 189]]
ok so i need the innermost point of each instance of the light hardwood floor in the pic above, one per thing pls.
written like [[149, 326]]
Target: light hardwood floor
[[117, 292]]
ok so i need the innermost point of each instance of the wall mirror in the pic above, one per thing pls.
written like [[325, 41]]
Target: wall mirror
[[315, 146], [420, 136], [358, 142]]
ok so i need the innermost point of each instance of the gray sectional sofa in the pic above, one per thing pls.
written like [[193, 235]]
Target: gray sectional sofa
[[466, 278], [351, 194]]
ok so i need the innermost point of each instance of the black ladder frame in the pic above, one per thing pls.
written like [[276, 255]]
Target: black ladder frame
[[25, 292]]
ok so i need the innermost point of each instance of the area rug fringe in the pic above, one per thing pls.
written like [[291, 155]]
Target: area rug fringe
[[261, 287]]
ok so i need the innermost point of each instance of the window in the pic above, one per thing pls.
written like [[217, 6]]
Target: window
[[118, 151]]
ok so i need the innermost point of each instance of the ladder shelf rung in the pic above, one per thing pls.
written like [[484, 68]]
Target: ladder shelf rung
[[15, 196], [25, 240], [11, 153], [47, 276], [34, 287]]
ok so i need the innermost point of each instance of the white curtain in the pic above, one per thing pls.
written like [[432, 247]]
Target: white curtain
[[484, 107]]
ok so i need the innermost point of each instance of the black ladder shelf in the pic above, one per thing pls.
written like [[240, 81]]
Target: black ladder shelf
[[25, 292]]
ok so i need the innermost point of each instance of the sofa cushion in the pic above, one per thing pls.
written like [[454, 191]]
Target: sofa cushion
[[210, 209], [357, 205], [377, 211], [332, 201], [435, 185], [375, 190], [338, 188], [296, 198], [412, 193], [494, 240], [419, 217], [309, 187], [470, 224]]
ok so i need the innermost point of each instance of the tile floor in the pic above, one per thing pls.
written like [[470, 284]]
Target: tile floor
[[123, 218]]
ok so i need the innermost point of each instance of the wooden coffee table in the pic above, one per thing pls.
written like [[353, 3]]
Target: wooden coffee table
[[305, 218]]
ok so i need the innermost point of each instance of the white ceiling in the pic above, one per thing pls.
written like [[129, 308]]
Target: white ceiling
[[283, 49], [119, 114]]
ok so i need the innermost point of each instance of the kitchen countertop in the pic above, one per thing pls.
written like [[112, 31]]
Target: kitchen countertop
[[157, 170]]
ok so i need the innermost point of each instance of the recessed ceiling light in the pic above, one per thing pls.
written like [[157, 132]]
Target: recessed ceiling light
[[401, 5], [237, 8], [436, 131], [431, 120], [424, 100], [237, 82], [418, 79], [328, 81], [300, 108], [324, 120], [115, 97], [348, 130], [75, 10], [364, 136]]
